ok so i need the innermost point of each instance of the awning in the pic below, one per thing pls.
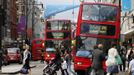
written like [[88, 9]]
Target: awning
[[129, 32]]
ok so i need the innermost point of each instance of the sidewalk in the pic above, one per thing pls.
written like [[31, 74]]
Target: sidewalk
[[14, 68]]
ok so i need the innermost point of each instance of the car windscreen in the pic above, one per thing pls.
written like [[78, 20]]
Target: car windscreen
[[12, 50], [83, 53]]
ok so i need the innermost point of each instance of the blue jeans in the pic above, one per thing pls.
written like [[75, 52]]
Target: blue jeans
[[132, 73], [112, 69]]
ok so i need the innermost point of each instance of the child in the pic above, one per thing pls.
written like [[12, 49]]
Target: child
[[131, 65]]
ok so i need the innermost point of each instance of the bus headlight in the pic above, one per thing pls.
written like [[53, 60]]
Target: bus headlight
[[48, 55], [43, 44], [79, 63]]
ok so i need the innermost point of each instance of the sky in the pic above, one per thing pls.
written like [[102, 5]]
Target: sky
[[56, 2], [62, 2]]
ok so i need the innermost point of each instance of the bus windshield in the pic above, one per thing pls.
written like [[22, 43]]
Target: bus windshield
[[87, 43], [58, 25], [98, 12]]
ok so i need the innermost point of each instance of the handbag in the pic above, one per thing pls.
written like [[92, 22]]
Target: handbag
[[24, 70], [93, 72], [118, 60]]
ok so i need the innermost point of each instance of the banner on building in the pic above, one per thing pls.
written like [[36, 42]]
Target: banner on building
[[126, 5], [21, 24]]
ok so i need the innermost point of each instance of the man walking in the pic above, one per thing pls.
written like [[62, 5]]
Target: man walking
[[98, 58], [122, 53]]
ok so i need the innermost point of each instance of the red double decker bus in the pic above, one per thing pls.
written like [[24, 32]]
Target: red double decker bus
[[98, 23], [57, 33], [37, 48]]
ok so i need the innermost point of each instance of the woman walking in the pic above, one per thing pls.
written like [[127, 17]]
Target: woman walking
[[112, 63], [130, 51], [26, 59]]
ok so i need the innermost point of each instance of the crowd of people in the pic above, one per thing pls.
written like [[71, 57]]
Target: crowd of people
[[62, 59], [118, 59]]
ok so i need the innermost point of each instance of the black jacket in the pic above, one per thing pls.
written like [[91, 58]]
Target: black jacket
[[98, 58]]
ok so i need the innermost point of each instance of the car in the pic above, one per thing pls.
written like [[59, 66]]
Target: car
[[49, 54], [12, 55], [82, 61]]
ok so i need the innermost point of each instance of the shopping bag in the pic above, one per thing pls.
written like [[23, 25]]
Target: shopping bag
[[24, 70], [118, 60], [93, 72]]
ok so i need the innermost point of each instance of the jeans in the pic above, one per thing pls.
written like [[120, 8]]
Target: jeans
[[132, 73], [112, 69]]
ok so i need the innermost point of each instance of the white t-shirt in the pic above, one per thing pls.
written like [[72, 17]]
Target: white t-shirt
[[64, 65], [112, 52]]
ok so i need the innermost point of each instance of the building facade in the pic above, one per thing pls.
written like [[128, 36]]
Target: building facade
[[25, 18], [38, 28], [5, 28], [21, 19], [13, 19]]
